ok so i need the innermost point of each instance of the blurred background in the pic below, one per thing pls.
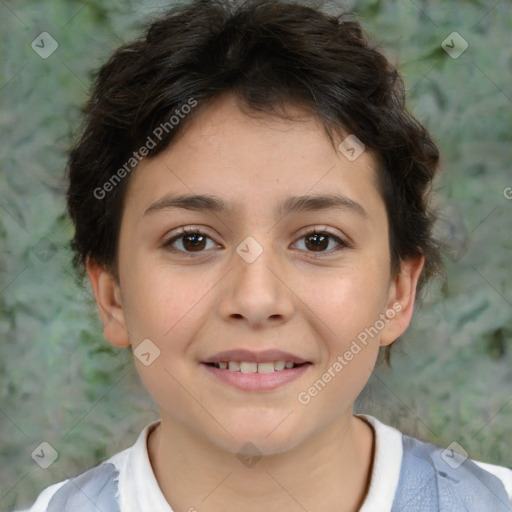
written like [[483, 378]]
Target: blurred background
[[62, 383]]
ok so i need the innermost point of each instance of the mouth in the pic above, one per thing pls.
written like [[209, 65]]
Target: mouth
[[253, 367], [251, 371]]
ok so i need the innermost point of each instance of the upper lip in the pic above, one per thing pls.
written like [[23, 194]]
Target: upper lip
[[255, 357]]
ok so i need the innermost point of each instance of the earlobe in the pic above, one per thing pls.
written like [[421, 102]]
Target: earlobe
[[108, 299], [402, 295]]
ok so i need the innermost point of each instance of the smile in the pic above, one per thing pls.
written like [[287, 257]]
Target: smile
[[255, 377], [252, 367]]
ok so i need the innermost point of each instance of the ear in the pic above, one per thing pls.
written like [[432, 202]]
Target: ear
[[108, 299], [401, 297]]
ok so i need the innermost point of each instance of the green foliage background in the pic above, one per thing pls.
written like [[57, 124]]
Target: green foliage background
[[60, 381]]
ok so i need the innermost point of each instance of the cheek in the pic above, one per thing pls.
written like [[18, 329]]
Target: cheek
[[347, 302], [166, 307], [342, 320], [163, 300]]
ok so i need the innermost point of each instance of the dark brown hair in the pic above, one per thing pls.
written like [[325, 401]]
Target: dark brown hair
[[269, 54]]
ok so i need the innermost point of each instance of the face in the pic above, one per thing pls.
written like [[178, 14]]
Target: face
[[278, 275]]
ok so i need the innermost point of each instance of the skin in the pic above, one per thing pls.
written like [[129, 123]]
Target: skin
[[313, 304]]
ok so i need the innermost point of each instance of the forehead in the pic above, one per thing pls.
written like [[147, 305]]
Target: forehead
[[253, 160]]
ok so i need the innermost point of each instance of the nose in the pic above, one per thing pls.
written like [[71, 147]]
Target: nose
[[256, 290]]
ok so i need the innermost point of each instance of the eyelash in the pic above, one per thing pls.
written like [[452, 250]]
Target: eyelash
[[192, 231]]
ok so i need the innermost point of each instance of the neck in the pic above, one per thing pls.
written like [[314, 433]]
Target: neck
[[330, 471]]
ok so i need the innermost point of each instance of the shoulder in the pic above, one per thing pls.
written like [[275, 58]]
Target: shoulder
[[436, 478], [413, 475], [110, 486], [93, 490]]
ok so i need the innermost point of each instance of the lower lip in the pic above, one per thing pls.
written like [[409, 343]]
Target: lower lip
[[257, 381]]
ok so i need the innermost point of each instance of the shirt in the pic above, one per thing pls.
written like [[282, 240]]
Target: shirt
[[407, 475]]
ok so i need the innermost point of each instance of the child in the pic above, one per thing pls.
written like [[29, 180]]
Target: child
[[250, 202]]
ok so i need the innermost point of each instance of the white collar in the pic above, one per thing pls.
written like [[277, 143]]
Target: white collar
[[139, 489], [387, 462], [138, 486]]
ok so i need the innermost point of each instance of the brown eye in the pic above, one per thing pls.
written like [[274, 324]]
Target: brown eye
[[317, 241], [322, 242], [188, 241], [194, 242]]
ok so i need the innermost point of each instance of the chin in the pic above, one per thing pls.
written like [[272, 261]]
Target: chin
[[261, 440]]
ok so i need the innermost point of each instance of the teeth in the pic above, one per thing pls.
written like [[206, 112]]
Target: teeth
[[248, 367], [265, 367], [251, 367]]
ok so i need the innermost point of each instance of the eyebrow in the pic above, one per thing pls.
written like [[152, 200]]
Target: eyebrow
[[293, 204]]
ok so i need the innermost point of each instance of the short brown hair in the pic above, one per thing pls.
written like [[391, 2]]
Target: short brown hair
[[269, 54]]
